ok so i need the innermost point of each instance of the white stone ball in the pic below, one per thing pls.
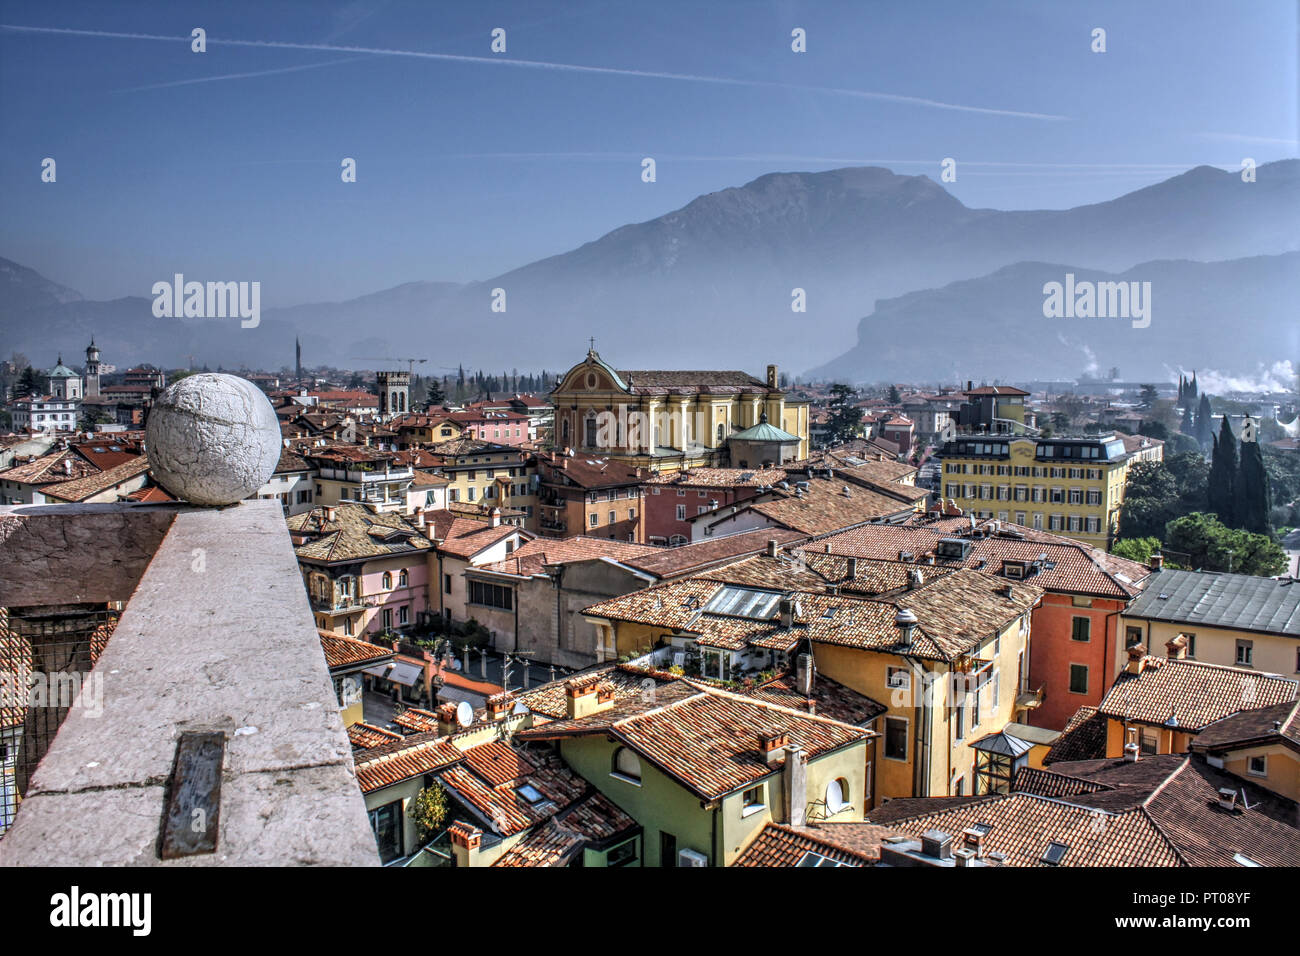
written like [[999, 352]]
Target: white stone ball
[[212, 439]]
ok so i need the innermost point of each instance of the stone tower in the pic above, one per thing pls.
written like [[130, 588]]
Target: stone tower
[[394, 393], [92, 369]]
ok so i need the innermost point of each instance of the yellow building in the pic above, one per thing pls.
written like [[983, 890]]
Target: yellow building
[[945, 656], [1072, 486], [1160, 705], [483, 473], [1234, 619], [670, 420]]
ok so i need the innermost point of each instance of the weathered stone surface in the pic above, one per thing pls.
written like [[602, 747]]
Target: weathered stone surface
[[212, 439]]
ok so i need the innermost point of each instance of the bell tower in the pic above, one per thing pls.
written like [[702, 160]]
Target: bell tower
[[394, 393], [92, 369]]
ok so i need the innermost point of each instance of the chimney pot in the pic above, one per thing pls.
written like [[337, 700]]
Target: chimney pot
[[772, 546]]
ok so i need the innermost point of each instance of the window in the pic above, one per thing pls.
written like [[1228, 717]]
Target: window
[[491, 595], [667, 849], [896, 738], [621, 855], [1080, 629], [1149, 741], [681, 512], [347, 626], [1078, 679], [627, 766], [1258, 765], [837, 796], [388, 580], [446, 583], [403, 614], [388, 618], [1245, 653], [1055, 853], [612, 517], [1191, 644], [593, 520], [1132, 635], [899, 677], [386, 822], [403, 578], [752, 801]]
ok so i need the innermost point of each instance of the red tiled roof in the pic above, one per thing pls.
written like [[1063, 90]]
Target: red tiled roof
[[403, 759]]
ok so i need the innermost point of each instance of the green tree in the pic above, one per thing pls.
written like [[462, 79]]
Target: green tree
[[1212, 546], [29, 382], [1136, 549], [434, 396], [429, 811], [1204, 421], [894, 397], [1252, 499], [846, 418], [1222, 489], [1148, 396]]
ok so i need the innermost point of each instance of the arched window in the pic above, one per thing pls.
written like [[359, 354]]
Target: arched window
[[722, 433], [388, 580], [564, 433], [403, 579], [837, 796], [627, 765], [677, 540]]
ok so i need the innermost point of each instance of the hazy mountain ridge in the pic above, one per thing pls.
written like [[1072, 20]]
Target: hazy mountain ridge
[[710, 282]]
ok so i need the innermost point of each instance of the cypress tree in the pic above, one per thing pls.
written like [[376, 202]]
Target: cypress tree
[[1188, 427], [1192, 386], [1204, 422], [1221, 488], [1252, 490]]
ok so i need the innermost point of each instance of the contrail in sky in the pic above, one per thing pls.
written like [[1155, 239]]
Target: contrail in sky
[[543, 65], [236, 76]]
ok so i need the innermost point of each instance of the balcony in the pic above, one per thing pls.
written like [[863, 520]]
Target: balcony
[[216, 637], [364, 476]]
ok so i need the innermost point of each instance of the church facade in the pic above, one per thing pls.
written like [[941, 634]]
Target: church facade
[[670, 420]]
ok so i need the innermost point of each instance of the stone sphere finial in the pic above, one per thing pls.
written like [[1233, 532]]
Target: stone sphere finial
[[212, 439]]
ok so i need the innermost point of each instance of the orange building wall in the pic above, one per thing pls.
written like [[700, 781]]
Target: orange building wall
[[1053, 651]]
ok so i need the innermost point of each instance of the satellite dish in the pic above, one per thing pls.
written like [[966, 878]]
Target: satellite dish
[[464, 713], [519, 708]]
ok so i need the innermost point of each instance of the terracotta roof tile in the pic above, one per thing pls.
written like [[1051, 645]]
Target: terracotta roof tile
[[1191, 694]]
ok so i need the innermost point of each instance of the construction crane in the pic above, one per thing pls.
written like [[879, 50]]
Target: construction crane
[[410, 362]]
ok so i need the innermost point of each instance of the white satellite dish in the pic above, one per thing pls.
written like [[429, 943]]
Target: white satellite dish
[[464, 713]]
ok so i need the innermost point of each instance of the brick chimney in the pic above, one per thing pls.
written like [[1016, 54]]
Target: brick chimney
[[1176, 648], [1136, 658], [466, 841], [494, 517], [1157, 561], [586, 695], [785, 609], [795, 783], [973, 840], [771, 746], [498, 705], [447, 722]]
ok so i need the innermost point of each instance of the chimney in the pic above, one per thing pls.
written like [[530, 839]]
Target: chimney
[[973, 840], [785, 608], [771, 746], [498, 705], [852, 570], [963, 857], [494, 517], [1227, 799], [1136, 658], [772, 547], [1176, 648], [586, 695], [914, 578], [937, 844], [1157, 561], [466, 840], [795, 783], [447, 722], [67, 466], [905, 621], [330, 512], [803, 675], [1131, 748]]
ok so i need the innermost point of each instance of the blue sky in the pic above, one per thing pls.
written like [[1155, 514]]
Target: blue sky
[[225, 165]]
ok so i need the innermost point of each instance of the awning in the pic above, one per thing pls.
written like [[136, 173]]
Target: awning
[[399, 672]]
